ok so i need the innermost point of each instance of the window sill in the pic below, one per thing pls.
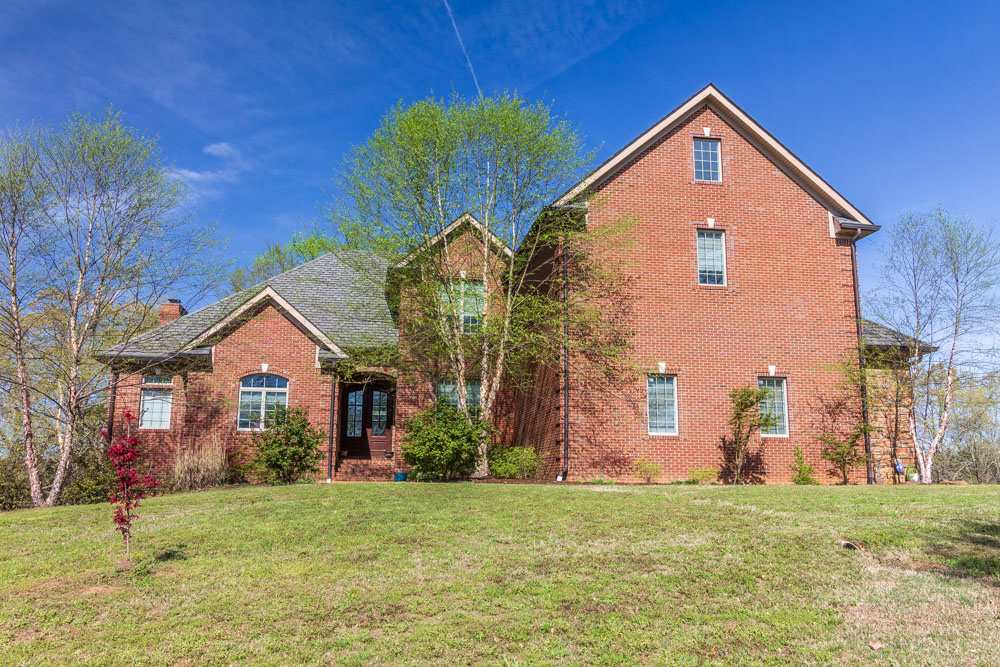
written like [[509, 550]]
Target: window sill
[[154, 429], [663, 435], [773, 435], [698, 181], [707, 286]]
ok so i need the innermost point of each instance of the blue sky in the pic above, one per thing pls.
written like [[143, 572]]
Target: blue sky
[[255, 105]]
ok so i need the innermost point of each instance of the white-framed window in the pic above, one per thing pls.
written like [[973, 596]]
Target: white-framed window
[[157, 379], [470, 296], [154, 408], [446, 393], [776, 405], [661, 404], [707, 161], [261, 395], [711, 257]]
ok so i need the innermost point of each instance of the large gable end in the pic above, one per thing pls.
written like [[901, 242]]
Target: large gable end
[[845, 218]]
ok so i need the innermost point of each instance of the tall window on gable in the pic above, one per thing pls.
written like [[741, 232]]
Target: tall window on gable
[[447, 394], [775, 405], [155, 402], [711, 257], [261, 396], [467, 302], [707, 164], [661, 404]]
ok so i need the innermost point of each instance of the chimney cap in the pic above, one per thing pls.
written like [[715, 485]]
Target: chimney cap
[[173, 300]]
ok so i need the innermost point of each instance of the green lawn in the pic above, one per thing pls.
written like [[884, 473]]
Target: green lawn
[[472, 573]]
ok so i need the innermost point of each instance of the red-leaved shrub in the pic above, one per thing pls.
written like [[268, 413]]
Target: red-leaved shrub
[[132, 485]]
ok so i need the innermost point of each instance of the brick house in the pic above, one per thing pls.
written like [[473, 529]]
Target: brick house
[[744, 274]]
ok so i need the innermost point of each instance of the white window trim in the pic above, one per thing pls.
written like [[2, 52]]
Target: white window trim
[[170, 411], [694, 165], [263, 400], [784, 398], [677, 424], [725, 258]]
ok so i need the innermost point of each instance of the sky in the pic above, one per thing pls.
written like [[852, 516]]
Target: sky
[[256, 105]]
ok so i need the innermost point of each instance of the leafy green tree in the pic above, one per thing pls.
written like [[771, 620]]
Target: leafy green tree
[[486, 314], [802, 472], [279, 258]]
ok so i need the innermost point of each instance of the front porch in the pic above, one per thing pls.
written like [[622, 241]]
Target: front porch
[[363, 443]]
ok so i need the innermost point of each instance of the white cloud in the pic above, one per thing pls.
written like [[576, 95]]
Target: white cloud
[[202, 183]]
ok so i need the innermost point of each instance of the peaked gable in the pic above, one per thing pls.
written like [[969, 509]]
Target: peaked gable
[[455, 226], [842, 211]]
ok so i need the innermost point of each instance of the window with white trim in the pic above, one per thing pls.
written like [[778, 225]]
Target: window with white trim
[[661, 404], [447, 394], [711, 257], [157, 379], [154, 408], [261, 396], [469, 303], [774, 404], [707, 163]]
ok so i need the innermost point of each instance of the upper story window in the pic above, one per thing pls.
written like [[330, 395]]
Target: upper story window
[[261, 395], [707, 162], [711, 257], [447, 394], [467, 302], [661, 404], [775, 405]]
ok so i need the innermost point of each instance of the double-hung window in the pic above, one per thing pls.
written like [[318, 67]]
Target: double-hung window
[[707, 162], [155, 402], [466, 301], [261, 396], [661, 404], [711, 257], [447, 394], [775, 406]]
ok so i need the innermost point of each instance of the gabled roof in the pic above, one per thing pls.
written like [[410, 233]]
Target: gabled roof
[[713, 97], [453, 226], [328, 297]]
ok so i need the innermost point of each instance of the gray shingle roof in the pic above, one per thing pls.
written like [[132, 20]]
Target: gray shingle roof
[[342, 294], [878, 335]]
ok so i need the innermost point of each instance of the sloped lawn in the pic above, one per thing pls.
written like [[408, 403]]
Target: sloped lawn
[[473, 573]]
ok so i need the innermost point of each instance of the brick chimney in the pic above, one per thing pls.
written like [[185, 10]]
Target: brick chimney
[[171, 310]]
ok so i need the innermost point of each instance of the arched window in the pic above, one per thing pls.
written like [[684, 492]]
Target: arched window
[[260, 396]]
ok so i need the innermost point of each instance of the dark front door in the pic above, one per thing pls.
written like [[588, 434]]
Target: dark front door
[[366, 418]]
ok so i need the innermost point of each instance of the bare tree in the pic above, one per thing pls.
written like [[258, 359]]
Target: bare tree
[[939, 289], [85, 265]]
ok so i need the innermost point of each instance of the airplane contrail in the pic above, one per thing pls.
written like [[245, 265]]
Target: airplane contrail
[[461, 43]]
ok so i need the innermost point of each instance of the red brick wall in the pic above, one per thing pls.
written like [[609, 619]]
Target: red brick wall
[[205, 404], [788, 302]]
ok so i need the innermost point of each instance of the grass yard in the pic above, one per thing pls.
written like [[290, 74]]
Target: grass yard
[[472, 573]]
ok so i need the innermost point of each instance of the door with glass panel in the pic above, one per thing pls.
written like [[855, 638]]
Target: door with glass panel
[[366, 420]]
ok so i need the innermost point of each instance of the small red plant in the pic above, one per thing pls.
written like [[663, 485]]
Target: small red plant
[[132, 485]]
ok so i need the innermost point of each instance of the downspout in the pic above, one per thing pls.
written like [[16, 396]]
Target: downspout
[[862, 367], [565, 350], [331, 424], [112, 399]]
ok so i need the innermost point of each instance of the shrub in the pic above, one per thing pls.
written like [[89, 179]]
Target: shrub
[[14, 491], [647, 470], [201, 466], [844, 454], [288, 449], [92, 478], [131, 486], [802, 472], [741, 464], [442, 444], [703, 475], [513, 462]]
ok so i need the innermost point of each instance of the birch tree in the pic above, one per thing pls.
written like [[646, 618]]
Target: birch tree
[[92, 242], [481, 312], [939, 290]]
